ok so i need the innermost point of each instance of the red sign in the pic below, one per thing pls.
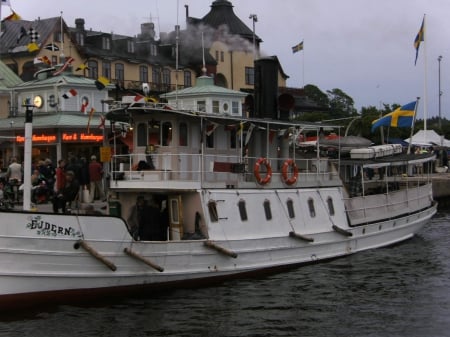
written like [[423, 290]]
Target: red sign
[[65, 137]]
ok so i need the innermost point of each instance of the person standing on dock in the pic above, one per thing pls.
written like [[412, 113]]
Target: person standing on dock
[[96, 177]]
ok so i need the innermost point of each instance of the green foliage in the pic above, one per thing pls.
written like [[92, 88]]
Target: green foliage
[[340, 106]]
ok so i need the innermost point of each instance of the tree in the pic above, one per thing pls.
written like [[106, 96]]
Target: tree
[[316, 95], [341, 104]]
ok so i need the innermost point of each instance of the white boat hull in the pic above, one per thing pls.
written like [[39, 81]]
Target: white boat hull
[[40, 254]]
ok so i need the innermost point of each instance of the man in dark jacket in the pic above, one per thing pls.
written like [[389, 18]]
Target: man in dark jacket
[[67, 194]]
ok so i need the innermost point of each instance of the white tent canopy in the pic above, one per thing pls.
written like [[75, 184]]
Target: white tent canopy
[[428, 138]]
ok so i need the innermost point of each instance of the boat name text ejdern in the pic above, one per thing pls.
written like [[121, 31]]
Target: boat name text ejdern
[[45, 228]]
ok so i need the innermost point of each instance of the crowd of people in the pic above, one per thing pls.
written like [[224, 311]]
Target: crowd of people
[[61, 184]]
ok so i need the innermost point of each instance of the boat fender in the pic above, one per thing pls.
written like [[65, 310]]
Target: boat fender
[[259, 179], [289, 180], [301, 237], [342, 231], [220, 249], [95, 253], [141, 258]]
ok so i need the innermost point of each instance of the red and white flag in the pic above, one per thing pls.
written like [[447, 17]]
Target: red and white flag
[[70, 93]]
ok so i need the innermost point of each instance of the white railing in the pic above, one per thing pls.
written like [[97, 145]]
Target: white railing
[[212, 168]]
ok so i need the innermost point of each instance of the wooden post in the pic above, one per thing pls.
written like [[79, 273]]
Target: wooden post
[[96, 254], [300, 236], [220, 249], [342, 231], [139, 257]]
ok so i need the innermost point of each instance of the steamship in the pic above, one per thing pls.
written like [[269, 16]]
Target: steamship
[[234, 195]]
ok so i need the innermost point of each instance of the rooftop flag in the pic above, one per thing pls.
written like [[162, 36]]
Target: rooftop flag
[[70, 93], [51, 47], [297, 47], [402, 117], [419, 38], [69, 60], [12, 17], [101, 83]]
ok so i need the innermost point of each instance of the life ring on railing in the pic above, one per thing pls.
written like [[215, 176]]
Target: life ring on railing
[[289, 179], [266, 179]]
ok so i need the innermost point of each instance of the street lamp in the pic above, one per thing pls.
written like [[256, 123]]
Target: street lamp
[[255, 19], [440, 92]]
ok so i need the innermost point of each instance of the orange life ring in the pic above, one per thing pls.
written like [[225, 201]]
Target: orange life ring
[[266, 179], [289, 180]]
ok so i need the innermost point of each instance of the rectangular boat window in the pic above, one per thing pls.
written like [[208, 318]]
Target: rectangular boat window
[[312, 210], [201, 106], [166, 133], [212, 208], [330, 206], [183, 134], [242, 210], [215, 107], [267, 210], [290, 208]]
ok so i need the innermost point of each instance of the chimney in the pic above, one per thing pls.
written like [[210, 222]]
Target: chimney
[[79, 24], [266, 88]]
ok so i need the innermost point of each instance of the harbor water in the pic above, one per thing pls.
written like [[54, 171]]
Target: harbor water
[[403, 290]]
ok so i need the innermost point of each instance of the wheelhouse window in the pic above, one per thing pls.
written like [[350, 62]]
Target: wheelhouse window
[[312, 209], [153, 132], [242, 210], [267, 210], [215, 107], [183, 134], [142, 135], [166, 133], [201, 106], [212, 208], [235, 108], [290, 208]]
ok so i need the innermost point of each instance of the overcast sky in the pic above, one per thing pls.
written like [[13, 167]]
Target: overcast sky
[[364, 47]]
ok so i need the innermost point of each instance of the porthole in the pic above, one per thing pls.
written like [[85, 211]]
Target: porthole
[[290, 208], [312, 209], [225, 107], [267, 210], [242, 210]]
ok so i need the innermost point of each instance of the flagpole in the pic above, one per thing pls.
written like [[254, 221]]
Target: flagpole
[[303, 66], [412, 125], [425, 87]]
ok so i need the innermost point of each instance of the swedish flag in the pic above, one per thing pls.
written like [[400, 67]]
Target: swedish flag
[[399, 118], [419, 38], [297, 47]]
